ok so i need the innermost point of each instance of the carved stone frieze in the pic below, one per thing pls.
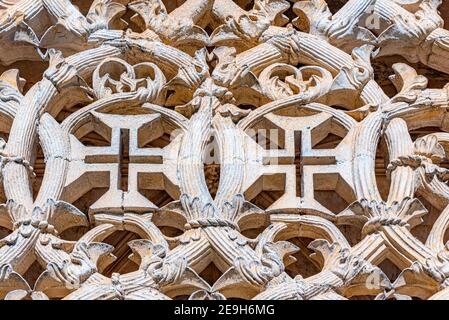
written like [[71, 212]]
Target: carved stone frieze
[[217, 149]]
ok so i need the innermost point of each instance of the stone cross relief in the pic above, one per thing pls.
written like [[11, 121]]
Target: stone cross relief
[[122, 159], [299, 166]]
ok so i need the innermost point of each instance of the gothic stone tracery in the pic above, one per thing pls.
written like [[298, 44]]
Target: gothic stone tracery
[[213, 149]]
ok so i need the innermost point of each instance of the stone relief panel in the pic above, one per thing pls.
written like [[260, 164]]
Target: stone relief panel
[[219, 149]]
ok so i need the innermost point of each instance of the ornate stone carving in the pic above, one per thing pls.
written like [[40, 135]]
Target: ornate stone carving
[[215, 149]]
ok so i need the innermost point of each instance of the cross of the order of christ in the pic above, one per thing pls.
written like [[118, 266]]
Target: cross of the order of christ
[[125, 166], [287, 161]]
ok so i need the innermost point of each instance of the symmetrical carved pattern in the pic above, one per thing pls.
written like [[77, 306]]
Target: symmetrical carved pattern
[[214, 149]]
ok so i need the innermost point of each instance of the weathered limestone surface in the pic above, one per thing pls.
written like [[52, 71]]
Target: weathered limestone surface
[[214, 149]]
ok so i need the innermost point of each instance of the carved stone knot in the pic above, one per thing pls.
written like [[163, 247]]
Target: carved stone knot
[[116, 284], [375, 223], [211, 222], [377, 214], [6, 158]]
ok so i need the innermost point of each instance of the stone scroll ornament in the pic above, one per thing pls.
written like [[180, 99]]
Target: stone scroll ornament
[[218, 149]]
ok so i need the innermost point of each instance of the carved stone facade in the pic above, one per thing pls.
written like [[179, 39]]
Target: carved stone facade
[[216, 149]]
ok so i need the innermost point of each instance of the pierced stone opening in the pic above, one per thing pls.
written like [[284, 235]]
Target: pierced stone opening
[[290, 14], [352, 233], [444, 11], [212, 166], [93, 139], [136, 23], [390, 269], [4, 232], [381, 164], [38, 164], [211, 274], [159, 197], [181, 297], [82, 5], [4, 136], [422, 231], [268, 135], [157, 188], [304, 265], [212, 175], [364, 297], [383, 69], [252, 233], [84, 202], [2, 194], [247, 106], [124, 159], [331, 200], [33, 272], [266, 190], [169, 94], [120, 239], [423, 131], [169, 223], [32, 71], [161, 142], [171, 231], [94, 133], [266, 198], [331, 141], [332, 191], [245, 4], [336, 5], [74, 233], [209, 30]]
